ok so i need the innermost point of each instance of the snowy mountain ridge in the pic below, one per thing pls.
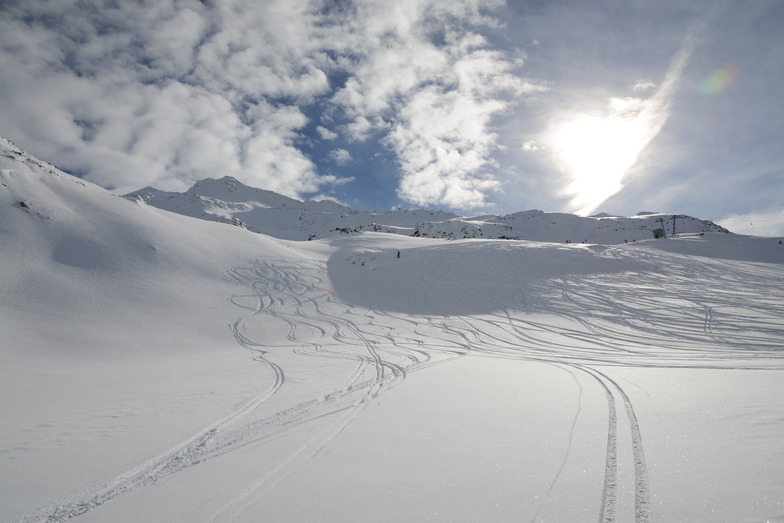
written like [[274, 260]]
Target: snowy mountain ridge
[[228, 200]]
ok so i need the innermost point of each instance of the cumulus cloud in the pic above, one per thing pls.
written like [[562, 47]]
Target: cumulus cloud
[[429, 86], [443, 144], [325, 133], [165, 93], [340, 156]]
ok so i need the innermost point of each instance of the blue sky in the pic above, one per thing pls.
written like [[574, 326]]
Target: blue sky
[[475, 106]]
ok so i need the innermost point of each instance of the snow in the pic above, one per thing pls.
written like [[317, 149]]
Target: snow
[[159, 367], [227, 200]]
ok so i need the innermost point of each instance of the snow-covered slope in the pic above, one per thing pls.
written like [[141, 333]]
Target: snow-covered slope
[[114, 330], [230, 201], [156, 367], [61, 233]]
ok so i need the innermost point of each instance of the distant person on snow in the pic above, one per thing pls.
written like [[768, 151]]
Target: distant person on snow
[[398, 253]]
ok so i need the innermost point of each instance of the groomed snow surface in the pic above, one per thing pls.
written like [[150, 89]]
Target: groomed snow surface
[[157, 367]]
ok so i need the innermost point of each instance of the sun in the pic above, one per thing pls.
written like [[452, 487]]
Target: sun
[[596, 151]]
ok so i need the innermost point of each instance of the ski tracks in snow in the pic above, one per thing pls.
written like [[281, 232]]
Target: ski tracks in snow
[[293, 295], [642, 505], [513, 335], [583, 324]]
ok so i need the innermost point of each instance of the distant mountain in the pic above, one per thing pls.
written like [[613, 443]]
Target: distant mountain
[[228, 200]]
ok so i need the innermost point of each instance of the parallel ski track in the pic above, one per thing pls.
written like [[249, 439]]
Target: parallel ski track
[[610, 315], [642, 506]]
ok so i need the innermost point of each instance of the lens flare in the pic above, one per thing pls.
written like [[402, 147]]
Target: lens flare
[[718, 80]]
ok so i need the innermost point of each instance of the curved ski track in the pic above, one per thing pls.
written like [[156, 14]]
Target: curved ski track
[[292, 294], [580, 323]]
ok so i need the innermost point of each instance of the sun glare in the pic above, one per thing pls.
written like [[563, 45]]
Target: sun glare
[[596, 152]]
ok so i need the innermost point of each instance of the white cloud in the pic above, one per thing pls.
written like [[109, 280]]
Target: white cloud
[[531, 146], [642, 86], [132, 94], [325, 133], [443, 144], [340, 156], [431, 103], [163, 93], [262, 49]]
